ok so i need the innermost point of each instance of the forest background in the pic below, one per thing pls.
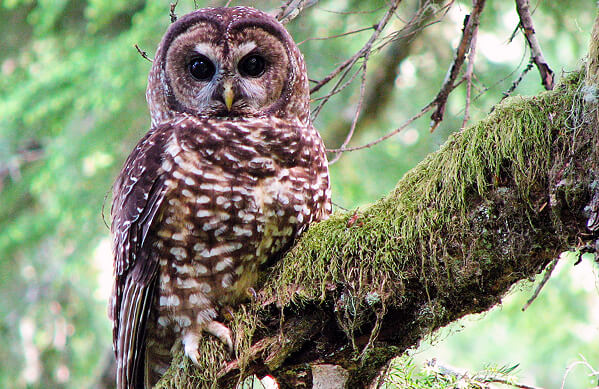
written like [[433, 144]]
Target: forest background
[[72, 106]]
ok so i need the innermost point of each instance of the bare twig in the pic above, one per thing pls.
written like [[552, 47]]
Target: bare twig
[[424, 110], [358, 110], [292, 8], [339, 86], [536, 53], [370, 11], [378, 94], [574, 364], [470, 23], [469, 73], [143, 53], [172, 13], [515, 84], [512, 384], [362, 52], [546, 278], [336, 36]]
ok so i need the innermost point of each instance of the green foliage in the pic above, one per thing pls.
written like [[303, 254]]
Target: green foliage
[[72, 106], [403, 372]]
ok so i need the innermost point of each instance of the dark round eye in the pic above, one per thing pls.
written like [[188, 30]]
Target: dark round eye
[[252, 65], [201, 68]]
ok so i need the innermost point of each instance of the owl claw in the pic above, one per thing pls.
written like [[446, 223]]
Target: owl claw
[[222, 332], [191, 340], [190, 346]]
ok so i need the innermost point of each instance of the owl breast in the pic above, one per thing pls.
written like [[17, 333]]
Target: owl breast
[[236, 195]]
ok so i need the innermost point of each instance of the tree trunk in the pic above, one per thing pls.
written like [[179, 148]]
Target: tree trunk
[[493, 206]]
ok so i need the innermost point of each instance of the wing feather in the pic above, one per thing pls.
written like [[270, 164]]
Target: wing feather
[[138, 194]]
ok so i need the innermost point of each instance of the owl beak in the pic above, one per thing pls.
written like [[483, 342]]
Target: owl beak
[[228, 95]]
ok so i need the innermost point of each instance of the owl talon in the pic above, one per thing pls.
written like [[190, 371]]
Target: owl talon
[[222, 332], [190, 346]]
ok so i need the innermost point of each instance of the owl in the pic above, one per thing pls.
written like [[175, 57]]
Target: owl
[[229, 174]]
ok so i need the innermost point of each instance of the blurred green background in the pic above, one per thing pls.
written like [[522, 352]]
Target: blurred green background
[[72, 106]]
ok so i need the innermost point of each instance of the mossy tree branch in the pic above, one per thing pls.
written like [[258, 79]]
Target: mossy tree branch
[[493, 206]]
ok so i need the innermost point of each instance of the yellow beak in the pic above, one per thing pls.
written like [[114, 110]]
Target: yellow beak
[[228, 95]]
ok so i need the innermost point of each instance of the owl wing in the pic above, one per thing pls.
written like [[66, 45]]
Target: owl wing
[[138, 194]]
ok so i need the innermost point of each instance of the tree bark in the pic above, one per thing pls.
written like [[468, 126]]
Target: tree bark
[[493, 206]]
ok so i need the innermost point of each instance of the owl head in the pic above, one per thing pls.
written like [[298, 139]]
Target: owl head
[[228, 62]]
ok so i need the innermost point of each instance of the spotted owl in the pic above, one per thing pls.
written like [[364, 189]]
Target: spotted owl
[[229, 174]]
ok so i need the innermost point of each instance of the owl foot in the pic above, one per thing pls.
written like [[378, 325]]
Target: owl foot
[[222, 332], [191, 340]]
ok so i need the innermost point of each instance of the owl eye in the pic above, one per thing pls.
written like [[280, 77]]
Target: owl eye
[[252, 65], [201, 68]]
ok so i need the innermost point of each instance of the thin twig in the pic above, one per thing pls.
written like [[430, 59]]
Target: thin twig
[[143, 53], [469, 73], [470, 23], [351, 12], [338, 87], [358, 110], [424, 110], [292, 8], [515, 84], [512, 384], [340, 206], [172, 13], [574, 364], [103, 213], [500, 81], [336, 36], [362, 52], [546, 277], [536, 53]]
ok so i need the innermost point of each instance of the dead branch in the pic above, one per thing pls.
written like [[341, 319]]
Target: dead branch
[[515, 84], [536, 54], [546, 277], [292, 8], [380, 87], [405, 124], [143, 54], [172, 13], [362, 52], [357, 112], [469, 74], [336, 36], [470, 25]]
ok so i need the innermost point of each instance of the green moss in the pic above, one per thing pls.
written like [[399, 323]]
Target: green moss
[[512, 146], [184, 374]]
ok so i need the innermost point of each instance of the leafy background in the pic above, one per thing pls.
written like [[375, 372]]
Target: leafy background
[[72, 106]]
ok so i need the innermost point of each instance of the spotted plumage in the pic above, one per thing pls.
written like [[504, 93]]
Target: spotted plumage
[[229, 174]]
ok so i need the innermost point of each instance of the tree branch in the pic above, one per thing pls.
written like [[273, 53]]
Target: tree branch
[[470, 28], [493, 206], [536, 54], [380, 87], [362, 52]]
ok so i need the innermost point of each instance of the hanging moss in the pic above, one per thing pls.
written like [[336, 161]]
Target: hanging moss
[[430, 209]]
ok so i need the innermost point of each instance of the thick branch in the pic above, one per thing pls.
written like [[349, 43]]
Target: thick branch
[[493, 206]]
